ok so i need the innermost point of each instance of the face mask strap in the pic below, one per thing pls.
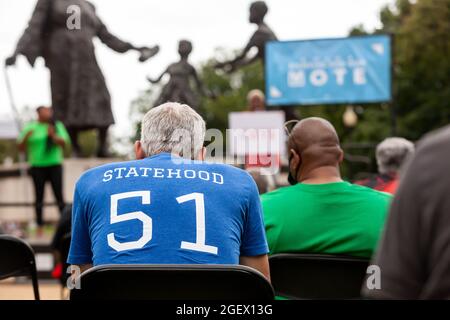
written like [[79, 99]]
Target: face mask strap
[[291, 179]]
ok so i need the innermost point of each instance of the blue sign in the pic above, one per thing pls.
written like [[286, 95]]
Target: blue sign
[[329, 71]]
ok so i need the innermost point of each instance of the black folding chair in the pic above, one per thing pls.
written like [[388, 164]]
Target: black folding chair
[[172, 282], [314, 276], [17, 259]]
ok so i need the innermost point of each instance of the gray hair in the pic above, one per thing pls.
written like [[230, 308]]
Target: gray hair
[[174, 128], [391, 153]]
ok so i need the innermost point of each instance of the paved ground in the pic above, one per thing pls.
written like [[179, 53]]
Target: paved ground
[[10, 290]]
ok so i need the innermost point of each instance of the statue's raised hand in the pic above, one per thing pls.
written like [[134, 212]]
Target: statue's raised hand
[[147, 53], [10, 61], [152, 81]]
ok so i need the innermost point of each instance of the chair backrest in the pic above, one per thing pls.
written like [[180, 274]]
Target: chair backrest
[[17, 259], [172, 282], [313, 276]]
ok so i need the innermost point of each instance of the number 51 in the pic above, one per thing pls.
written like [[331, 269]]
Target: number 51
[[147, 223]]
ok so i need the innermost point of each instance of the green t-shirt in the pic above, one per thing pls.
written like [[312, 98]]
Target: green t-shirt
[[332, 218], [38, 153]]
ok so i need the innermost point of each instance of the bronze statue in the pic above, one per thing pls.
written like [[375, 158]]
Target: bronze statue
[[79, 94], [178, 88], [263, 34]]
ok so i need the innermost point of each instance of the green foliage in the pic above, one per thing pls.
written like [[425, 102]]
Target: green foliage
[[88, 142], [421, 34], [230, 91], [423, 67], [8, 148]]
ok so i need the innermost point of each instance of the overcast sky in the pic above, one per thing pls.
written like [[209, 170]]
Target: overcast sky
[[207, 23]]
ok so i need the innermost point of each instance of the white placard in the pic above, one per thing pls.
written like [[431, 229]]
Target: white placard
[[259, 132]]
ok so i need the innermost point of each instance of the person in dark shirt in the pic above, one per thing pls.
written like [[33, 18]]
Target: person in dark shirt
[[413, 257]]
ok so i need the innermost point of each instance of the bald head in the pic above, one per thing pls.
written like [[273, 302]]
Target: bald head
[[315, 143]]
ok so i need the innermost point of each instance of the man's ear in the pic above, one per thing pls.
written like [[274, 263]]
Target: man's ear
[[294, 164], [295, 159], [341, 156], [201, 154], [139, 152]]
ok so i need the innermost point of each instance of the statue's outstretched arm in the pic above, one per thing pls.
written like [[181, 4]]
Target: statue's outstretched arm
[[119, 45], [227, 65], [112, 41], [244, 62], [122, 46], [154, 81], [241, 59]]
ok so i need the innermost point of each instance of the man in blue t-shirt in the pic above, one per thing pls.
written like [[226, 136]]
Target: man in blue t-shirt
[[165, 208]]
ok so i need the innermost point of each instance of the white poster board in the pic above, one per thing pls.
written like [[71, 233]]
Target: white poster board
[[256, 133]]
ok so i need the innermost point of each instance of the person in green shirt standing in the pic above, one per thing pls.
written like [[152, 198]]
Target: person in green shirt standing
[[321, 213], [44, 141]]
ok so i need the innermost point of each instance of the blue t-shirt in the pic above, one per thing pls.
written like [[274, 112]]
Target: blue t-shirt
[[158, 210]]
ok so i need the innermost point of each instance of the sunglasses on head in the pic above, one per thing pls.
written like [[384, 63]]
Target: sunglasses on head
[[289, 125]]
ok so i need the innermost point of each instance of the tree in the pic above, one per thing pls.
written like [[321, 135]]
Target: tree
[[230, 91], [423, 67], [421, 33]]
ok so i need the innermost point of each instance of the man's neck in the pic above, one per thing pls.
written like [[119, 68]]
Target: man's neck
[[321, 175]]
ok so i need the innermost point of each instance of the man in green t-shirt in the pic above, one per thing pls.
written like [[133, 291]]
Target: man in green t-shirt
[[44, 141], [321, 213]]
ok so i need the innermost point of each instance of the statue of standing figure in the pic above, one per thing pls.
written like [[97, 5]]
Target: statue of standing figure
[[263, 34], [80, 97], [178, 89]]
